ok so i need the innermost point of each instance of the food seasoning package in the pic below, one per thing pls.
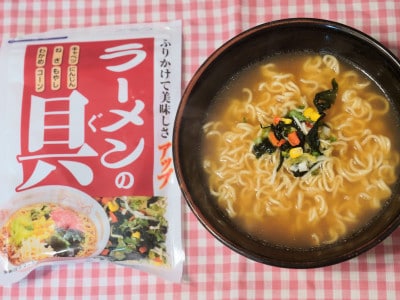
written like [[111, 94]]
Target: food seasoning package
[[86, 165]]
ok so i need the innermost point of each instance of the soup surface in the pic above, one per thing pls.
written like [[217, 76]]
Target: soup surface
[[345, 159]]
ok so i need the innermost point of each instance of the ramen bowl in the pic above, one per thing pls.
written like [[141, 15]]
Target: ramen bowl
[[254, 45]]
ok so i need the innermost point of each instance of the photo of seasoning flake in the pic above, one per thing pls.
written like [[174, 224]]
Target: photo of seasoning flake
[[138, 229]]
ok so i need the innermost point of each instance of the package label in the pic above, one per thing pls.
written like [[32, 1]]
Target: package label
[[88, 171]]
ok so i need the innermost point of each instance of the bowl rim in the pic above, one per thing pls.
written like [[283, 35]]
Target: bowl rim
[[334, 25]]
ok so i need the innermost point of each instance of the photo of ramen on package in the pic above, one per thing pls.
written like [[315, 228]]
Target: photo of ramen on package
[[87, 171]]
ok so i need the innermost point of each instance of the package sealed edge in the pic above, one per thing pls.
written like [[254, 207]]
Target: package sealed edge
[[87, 174]]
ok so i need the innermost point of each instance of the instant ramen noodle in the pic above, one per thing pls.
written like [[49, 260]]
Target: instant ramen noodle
[[88, 170]]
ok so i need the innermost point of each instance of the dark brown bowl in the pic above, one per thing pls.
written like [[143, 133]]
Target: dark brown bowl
[[283, 36]]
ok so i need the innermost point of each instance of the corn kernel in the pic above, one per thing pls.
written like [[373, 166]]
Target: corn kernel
[[136, 235], [113, 206], [311, 114], [286, 121], [295, 152], [315, 116], [308, 111]]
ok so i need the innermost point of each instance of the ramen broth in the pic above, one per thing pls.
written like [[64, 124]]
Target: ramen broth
[[346, 188]]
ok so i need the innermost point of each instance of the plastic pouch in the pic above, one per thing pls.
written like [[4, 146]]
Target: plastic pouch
[[87, 172]]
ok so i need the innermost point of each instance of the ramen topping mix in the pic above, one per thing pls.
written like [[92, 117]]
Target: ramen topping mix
[[88, 170]]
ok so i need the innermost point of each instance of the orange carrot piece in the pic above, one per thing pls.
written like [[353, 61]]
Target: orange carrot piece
[[272, 138], [281, 142], [113, 217], [105, 200], [105, 252], [293, 138], [274, 141], [276, 120]]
